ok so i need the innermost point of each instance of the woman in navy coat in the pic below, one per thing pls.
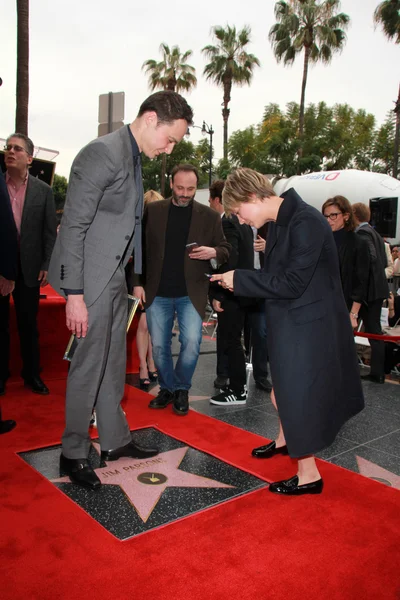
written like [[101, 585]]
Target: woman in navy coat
[[310, 339]]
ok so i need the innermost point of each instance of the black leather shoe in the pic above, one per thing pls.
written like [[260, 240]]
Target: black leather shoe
[[374, 378], [162, 400], [79, 471], [131, 450], [181, 402], [220, 381], [291, 487], [263, 383], [2, 387], [6, 426], [37, 386], [268, 450]]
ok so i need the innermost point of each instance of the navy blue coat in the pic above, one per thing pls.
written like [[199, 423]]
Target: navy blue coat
[[310, 340], [8, 235]]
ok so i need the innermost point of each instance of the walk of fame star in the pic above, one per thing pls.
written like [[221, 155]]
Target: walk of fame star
[[374, 471], [144, 481]]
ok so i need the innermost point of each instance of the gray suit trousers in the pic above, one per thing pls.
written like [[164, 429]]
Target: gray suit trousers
[[96, 377]]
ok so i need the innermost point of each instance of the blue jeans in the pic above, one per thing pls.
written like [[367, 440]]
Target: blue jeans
[[160, 320]]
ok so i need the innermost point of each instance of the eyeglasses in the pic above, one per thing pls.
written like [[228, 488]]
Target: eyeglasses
[[332, 216], [15, 148]]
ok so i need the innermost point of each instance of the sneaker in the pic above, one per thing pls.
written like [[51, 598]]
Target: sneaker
[[229, 397]]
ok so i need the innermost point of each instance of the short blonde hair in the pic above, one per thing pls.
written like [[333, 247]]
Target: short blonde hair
[[151, 196], [241, 185]]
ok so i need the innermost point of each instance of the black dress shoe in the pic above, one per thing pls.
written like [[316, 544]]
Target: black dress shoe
[[220, 381], [181, 402], [79, 471], [131, 450], [6, 426], [2, 387], [374, 378], [291, 487], [268, 450], [263, 383], [37, 386], [162, 400]]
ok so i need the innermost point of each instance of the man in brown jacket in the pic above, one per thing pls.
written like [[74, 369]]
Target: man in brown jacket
[[181, 239]]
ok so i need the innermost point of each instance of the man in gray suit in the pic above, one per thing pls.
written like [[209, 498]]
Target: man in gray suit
[[34, 215], [100, 229]]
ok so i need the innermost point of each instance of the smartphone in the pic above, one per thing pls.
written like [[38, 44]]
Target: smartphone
[[192, 246], [208, 275]]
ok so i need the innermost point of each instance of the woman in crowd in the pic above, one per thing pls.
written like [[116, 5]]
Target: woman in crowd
[[310, 340], [147, 369], [353, 254]]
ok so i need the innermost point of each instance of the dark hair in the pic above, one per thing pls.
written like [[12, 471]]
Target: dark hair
[[186, 168], [169, 106], [345, 207], [216, 189], [30, 148], [362, 212]]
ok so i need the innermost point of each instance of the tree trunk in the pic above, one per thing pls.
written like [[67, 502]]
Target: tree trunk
[[225, 113], [21, 116], [396, 138], [302, 104]]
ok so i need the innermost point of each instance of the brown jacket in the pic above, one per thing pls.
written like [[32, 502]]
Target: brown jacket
[[205, 229]]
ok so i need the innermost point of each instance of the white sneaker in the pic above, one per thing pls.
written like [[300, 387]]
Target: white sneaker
[[229, 397]]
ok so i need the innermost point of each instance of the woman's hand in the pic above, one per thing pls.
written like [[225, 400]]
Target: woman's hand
[[353, 321], [225, 280]]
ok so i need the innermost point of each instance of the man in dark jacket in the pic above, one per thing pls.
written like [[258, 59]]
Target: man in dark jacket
[[8, 261], [34, 214], [378, 290]]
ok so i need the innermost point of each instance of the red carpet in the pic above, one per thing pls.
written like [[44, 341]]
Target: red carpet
[[54, 337], [343, 544]]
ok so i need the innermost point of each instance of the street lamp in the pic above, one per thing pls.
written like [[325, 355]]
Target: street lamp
[[207, 129]]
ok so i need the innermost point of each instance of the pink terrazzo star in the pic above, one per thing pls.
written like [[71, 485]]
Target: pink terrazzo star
[[373, 471], [144, 481]]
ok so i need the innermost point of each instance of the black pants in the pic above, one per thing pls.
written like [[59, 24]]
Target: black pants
[[255, 316], [26, 301], [229, 344], [371, 316]]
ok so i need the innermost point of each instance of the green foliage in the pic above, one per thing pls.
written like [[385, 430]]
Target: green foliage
[[172, 72], [60, 185], [335, 138], [387, 14]]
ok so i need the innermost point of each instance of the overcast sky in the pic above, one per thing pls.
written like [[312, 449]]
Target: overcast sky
[[82, 48]]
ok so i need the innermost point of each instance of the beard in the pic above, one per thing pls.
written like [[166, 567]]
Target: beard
[[182, 200]]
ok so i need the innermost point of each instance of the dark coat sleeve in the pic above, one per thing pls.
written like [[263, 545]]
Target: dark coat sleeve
[[304, 248], [8, 235], [361, 267], [232, 236]]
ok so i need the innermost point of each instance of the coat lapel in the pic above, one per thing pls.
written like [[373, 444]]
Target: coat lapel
[[32, 190], [195, 224]]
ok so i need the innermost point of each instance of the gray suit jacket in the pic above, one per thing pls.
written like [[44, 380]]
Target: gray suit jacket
[[38, 230], [98, 223]]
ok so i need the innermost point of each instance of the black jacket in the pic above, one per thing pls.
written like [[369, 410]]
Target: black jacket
[[378, 288], [8, 235], [354, 261], [241, 256]]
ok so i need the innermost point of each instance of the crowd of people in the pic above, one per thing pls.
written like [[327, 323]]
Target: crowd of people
[[268, 266]]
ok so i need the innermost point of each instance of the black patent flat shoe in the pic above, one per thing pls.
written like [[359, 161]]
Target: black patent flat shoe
[[291, 487], [269, 450]]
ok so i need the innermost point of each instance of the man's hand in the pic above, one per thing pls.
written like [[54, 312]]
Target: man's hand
[[225, 280], [203, 253], [6, 286], [43, 278], [217, 306], [77, 315], [138, 292], [259, 244]]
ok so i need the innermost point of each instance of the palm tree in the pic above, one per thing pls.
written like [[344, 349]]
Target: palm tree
[[171, 73], [387, 14], [21, 114], [229, 64], [313, 26]]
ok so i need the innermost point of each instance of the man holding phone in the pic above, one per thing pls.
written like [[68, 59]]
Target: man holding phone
[[181, 238]]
